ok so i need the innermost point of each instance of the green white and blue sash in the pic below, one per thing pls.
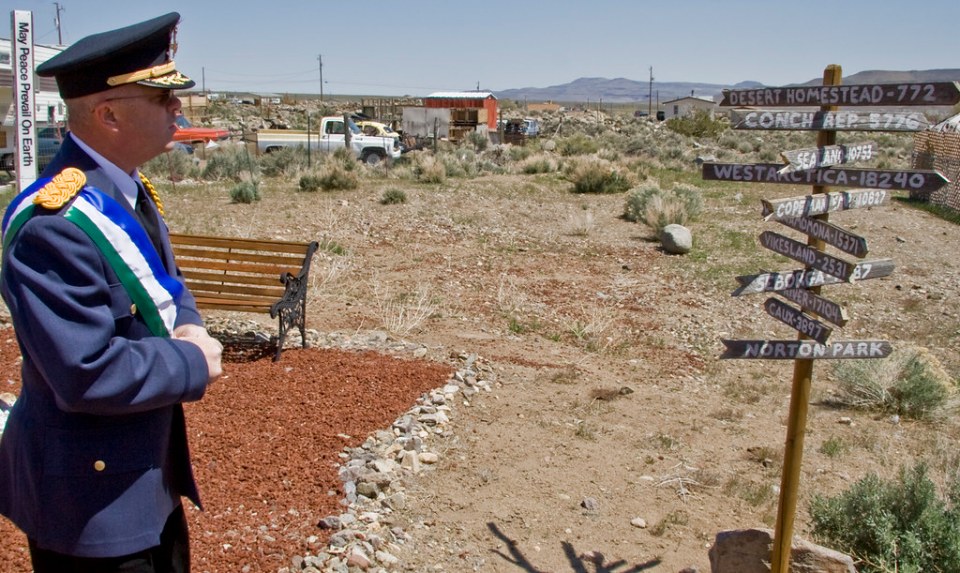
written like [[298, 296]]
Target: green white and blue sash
[[122, 241]]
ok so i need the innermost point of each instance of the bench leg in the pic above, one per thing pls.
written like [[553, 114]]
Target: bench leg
[[294, 315]]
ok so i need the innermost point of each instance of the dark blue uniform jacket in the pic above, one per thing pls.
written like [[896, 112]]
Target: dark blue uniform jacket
[[94, 455]]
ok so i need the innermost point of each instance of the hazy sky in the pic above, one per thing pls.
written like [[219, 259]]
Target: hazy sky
[[419, 46]]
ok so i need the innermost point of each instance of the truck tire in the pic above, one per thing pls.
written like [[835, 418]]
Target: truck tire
[[373, 156]]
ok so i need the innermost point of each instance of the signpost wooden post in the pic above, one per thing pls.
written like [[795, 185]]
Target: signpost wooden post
[[809, 215]]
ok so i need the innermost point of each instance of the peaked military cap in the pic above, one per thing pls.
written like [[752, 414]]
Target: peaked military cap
[[141, 54]]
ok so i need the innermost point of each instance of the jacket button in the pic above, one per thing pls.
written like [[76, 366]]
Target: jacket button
[[99, 465], [133, 309]]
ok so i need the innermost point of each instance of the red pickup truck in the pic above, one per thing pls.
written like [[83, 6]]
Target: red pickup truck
[[191, 135]]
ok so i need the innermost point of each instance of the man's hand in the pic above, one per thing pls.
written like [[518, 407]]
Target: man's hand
[[211, 347]]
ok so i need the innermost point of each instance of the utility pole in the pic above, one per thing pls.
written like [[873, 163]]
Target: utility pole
[[56, 21], [320, 59], [650, 96]]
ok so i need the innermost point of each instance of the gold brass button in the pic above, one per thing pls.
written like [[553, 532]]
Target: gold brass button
[[133, 309], [99, 465]]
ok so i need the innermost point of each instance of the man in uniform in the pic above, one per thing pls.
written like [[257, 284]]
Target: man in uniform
[[94, 457]]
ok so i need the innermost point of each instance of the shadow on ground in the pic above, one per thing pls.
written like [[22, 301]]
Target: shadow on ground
[[593, 562]]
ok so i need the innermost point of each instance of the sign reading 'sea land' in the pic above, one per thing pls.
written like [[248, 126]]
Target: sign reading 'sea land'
[[779, 120], [806, 278], [828, 233], [807, 255], [816, 304], [811, 158], [918, 180], [797, 320], [926, 94], [821, 203], [805, 349]]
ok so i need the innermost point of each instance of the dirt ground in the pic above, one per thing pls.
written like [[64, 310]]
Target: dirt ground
[[609, 392]]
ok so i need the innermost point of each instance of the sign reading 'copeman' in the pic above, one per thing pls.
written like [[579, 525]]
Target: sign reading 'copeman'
[[811, 158], [797, 320], [899, 180], [773, 120], [821, 203], [807, 278], [805, 349], [926, 94]]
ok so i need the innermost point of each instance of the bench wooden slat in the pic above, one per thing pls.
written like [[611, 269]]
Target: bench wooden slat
[[250, 257], [274, 271], [251, 244], [200, 277], [265, 293]]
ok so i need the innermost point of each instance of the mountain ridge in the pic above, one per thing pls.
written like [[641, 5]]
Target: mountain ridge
[[624, 90]]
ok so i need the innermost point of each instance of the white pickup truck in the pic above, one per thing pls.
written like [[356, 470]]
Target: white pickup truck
[[330, 137]]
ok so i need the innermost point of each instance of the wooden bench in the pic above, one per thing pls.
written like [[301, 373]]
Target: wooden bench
[[248, 275]]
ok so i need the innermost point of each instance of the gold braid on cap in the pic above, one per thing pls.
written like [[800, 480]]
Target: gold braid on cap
[[140, 75], [153, 193]]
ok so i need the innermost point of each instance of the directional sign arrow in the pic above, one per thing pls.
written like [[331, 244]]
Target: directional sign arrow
[[797, 320], [807, 255], [816, 304], [811, 158], [869, 95], [805, 349], [789, 120], [828, 233], [821, 203], [917, 180], [803, 278]]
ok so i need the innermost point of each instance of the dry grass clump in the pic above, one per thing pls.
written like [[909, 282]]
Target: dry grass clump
[[599, 176], [911, 382], [427, 168]]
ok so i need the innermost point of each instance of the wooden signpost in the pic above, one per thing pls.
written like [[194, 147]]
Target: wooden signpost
[[811, 158], [809, 215]]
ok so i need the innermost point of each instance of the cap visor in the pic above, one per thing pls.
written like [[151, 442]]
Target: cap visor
[[171, 81]]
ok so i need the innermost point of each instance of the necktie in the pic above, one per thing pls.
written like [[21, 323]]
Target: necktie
[[148, 218]]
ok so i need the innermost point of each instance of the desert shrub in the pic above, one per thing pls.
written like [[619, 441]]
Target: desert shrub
[[598, 176], [393, 196], [285, 161], [336, 176], [911, 382], [662, 211], [658, 208], [897, 525], [697, 124], [479, 141], [175, 165], [309, 183], [519, 152], [578, 144], [540, 163], [230, 162], [636, 205], [245, 192], [428, 169]]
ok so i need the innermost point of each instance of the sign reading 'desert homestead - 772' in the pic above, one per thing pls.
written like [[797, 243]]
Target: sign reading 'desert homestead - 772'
[[808, 214]]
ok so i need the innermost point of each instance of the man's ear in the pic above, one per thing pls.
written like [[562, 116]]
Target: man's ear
[[105, 115]]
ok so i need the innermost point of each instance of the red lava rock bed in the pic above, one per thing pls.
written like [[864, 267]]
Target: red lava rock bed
[[266, 441]]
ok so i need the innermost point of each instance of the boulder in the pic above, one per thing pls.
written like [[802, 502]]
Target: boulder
[[676, 239], [750, 551]]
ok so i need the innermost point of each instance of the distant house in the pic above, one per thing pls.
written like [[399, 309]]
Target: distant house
[[545, 106], [478, 108], [685, 106]]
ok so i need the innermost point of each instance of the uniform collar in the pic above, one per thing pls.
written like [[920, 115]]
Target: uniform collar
[[126, 182]]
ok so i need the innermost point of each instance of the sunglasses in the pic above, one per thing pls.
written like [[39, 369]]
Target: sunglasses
[[162, 97]]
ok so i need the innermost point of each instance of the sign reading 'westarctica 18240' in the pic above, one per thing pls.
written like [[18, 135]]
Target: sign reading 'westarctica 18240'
[[916, 180], [927, 94], [805, 349]]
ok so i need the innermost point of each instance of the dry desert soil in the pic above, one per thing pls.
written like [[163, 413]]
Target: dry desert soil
[[603, 357]]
